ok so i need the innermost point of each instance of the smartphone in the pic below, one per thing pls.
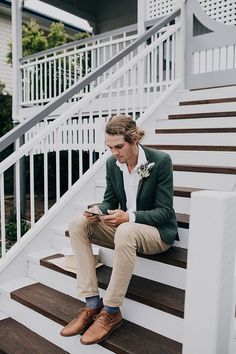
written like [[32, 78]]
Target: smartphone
[[94, 213]]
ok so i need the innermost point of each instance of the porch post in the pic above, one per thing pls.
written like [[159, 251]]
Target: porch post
[[209, 301], [142, 5], [16, 11]]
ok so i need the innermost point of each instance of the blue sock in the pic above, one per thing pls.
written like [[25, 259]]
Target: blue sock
[[110, 309], [93, 302]]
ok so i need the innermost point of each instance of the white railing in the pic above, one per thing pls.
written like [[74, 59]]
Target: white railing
[[47, 74], [214, 59], [130, 87], [153, 76]]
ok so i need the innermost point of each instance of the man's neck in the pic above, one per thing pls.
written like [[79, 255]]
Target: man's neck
[[133, 162]]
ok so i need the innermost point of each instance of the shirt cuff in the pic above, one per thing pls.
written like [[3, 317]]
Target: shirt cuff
[[131, 217]]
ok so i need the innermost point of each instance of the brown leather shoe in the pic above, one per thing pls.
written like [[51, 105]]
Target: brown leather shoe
[[79, 324], [104, 324]]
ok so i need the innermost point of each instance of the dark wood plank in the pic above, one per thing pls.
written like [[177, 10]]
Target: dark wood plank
[[16, 338], [193, 147], [130, 338], [208, 101], [203, 115], [185, 192], [182, 220], [205, 169], [160, 296], [195, 130]]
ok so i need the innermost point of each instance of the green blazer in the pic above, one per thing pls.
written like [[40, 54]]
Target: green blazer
[[154, 196]]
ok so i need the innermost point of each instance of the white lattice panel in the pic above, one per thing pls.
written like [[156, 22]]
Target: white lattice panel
[[223, 11], [159, 8]]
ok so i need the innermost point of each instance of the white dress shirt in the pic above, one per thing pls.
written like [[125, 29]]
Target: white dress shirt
[[131, 181]]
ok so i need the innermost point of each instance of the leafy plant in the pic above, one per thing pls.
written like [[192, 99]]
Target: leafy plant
[[11, 227]]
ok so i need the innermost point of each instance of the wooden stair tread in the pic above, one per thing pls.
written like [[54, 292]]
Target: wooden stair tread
[[160, 296], [202, 115], [16, 338], [62, 308], [208, 101], [194, 130], [182, 220], [193, 147]]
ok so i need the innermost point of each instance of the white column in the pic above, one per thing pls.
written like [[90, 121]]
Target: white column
[[16, 12], [180, 49], [142, 5], [209, 302]]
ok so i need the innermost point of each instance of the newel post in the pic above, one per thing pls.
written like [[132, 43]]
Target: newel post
[[209, 302]]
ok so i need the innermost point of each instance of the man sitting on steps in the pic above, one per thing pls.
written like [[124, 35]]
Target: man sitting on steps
[[138, 203]]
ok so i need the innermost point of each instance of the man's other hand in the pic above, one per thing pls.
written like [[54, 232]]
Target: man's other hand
[[115, 217]]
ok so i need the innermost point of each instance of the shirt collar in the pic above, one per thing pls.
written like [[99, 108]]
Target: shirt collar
[[141, 160]]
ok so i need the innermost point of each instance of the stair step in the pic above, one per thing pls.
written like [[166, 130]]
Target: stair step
[[182, 220], [193, 147], [195, 130], [160, 296], [185, 191], [202, 115], [205, 169], [16, 338], [208, 101], [175, 256], [63, 308]]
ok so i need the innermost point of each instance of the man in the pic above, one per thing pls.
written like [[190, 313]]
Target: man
[[139, 216]]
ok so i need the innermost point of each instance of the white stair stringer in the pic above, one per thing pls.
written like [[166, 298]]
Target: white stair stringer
[[153, 319], [42, 325]]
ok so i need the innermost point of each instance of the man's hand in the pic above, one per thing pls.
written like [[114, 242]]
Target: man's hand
[[115, 217], [92, 218]]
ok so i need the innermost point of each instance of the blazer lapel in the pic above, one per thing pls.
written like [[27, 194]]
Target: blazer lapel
[[120, 184], [141, 181]]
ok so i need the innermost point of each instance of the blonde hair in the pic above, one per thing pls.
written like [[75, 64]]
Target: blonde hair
[[126, 126]]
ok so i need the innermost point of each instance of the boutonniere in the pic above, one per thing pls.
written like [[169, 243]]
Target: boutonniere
[[144, 169]]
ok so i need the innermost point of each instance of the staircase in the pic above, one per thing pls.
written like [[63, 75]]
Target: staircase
[[200, 136]]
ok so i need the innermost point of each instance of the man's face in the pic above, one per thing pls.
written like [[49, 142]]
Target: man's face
[[120, 149]]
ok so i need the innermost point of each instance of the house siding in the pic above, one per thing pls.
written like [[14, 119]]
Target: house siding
[[5, 38]]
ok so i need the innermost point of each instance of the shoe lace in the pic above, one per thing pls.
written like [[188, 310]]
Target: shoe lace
[[103, 317]]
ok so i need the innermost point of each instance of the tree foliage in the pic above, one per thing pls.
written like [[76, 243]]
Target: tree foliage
[[35, 40], [5, 111]]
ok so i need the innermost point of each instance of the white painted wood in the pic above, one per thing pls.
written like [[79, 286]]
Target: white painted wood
[[182, 205], [217, 139], [209, 158], [219, 92], [224, 122], [204, 180], [209, 304], [3, 316]]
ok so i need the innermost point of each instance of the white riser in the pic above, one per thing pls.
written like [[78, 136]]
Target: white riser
[[228, 139], [204, 180], [148, 317], [182, 205], [47, 328], [183, 236], [225, 122], [203, 108], [219, 92], [209, 158]]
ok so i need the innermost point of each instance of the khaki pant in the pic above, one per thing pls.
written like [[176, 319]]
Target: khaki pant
[[127, 238]]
